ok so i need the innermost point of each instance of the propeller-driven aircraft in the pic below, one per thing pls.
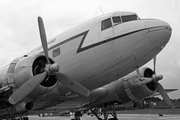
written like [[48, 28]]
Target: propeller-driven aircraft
[[86, 67]]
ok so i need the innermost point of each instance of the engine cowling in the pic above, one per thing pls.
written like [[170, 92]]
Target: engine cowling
[[24, 69], [130, 92], [23, 106], [125, 90]]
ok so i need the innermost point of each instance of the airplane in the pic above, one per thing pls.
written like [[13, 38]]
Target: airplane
[[86, 66]]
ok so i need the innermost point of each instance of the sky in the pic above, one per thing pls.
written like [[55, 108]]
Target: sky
[[19, 29]]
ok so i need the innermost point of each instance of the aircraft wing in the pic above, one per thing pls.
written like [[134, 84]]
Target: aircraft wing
[[55, 106], [63, 104]]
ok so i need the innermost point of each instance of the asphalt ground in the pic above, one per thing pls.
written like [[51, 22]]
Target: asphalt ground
[[120, 117]]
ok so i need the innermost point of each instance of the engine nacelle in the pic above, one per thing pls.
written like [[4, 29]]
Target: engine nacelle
[[128, 91], [21, 70], [125, 90], [23, 107]]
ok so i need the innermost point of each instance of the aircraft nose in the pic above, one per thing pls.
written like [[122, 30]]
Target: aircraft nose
[[159, 32]]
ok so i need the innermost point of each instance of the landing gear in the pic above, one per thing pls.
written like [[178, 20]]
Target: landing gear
[[135, 105], [94, 112], [10, 110], [107, 109], [76, 115], [25, 118]]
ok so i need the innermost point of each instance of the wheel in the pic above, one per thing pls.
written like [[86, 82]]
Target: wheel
[[112, 119], [25, 118], [77, 118]]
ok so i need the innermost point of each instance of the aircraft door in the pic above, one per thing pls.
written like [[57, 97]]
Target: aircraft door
[[106, 29]]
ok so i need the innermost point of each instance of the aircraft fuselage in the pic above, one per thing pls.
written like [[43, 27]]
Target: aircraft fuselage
[[95, 55]]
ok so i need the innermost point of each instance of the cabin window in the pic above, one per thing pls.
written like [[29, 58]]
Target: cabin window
[[56, 52], [116, 19], [105, 24], [129, 18]]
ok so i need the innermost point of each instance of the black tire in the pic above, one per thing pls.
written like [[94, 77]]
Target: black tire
[[77, 118], [25, 118], [112, 119]]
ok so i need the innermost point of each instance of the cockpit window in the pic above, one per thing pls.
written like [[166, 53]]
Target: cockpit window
[[116, 19], [105, 24], [129, 18]]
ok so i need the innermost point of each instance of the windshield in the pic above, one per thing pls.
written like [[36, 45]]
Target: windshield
[[129, 18], [105, 24], [116, 19]]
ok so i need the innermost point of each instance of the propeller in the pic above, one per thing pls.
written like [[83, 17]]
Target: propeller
[[164, 95], [154, 63], [26, 88], [72, 84], [138, 73], [32, 83], [43, 38], [160, 88], [155, 78]]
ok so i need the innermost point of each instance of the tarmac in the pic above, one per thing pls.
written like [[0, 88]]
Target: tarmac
[[120, 117]]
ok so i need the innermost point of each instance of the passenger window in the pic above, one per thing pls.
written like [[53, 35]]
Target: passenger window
[[56, 52], [116, 19], [106, 24]]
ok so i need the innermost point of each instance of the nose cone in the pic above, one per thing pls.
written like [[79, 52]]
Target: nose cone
[[159, 32]]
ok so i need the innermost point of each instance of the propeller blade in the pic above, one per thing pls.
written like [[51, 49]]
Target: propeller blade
[[139, 76], [164, 95], [154, 63], [43, 38], [72, 84], [27, 88]]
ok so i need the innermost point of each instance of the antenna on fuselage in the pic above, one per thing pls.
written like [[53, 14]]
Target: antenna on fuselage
[[101, 10]]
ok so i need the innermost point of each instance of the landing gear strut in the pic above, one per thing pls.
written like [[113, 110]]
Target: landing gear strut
[[76, 115], [11, 112], [107, 109]]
